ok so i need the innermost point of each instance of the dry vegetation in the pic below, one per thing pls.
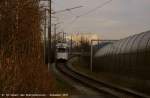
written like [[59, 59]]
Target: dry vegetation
[[21, 52]]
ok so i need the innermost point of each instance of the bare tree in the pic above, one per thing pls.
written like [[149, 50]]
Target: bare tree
[[20, 46]]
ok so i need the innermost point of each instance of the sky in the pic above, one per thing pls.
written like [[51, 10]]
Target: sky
[[115, 20]]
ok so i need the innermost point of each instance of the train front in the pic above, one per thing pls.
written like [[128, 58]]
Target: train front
[[62, 52]]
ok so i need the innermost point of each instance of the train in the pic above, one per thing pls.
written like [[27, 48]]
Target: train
[[62, 52], [128, 57]]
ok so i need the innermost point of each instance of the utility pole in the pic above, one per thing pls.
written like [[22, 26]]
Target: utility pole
[[45, 45], [55, 34], [55, 41], [91, 57], [71, 45], [47, 39], [49, 34], [64, 36]]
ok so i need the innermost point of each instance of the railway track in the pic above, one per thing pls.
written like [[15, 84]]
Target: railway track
[[94, 84]]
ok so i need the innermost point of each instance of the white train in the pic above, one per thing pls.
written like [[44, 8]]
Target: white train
[[61, 52]]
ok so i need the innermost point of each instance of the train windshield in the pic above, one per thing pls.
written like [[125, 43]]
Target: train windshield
[[61, 49]]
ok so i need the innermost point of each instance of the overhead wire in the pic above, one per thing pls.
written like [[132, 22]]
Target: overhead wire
[[90, 11], [96, 8]]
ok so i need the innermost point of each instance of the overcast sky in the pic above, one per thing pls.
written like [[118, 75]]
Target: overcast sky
[[115, 20]]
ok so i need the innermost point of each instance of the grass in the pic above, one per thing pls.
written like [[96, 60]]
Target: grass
[[135, 84]]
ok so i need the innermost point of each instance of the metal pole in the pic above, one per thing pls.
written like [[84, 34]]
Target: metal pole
[[55, 42], [49, 36], [45, 52], [63, 36], [71, 45], [91, 66]]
